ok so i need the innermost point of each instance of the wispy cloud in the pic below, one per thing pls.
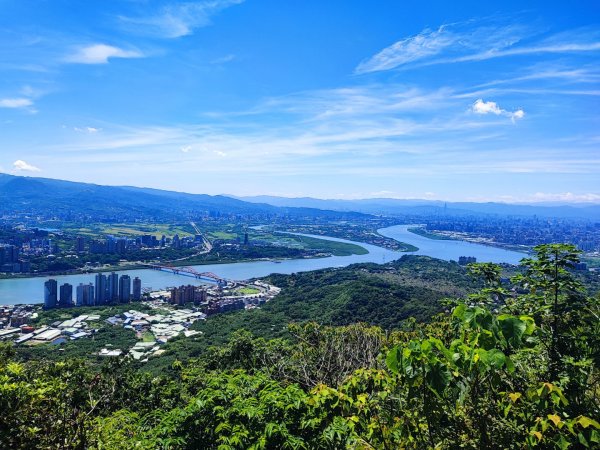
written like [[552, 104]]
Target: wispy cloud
[[89, 130], [413, 48], [483, 108], [177, 19], [223, 59], [15, 103], [568, 197], [100, 54], [549, 72], [21, 166], [473, 41]]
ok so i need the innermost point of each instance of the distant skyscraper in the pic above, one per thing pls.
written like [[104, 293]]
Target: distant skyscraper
[[125, 289], [85, 295], [137, 289], [50, 294], [66, 295], [80, 244], [101, 284], [89, 295], [79, 294], [113, 287]]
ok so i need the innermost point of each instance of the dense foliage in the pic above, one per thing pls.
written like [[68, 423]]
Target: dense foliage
[[383, 295], [508, 367]]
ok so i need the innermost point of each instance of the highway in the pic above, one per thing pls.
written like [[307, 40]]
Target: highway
[[207, 244]]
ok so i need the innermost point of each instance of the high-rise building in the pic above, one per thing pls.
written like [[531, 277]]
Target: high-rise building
[[9, 254], [121, 246], [113, 287], [187, 294], [66, 295], [101, 284], [137, 289], [80, 244], [125, 289], [50, 294], [79, 294], [85, 294], [89, 297]]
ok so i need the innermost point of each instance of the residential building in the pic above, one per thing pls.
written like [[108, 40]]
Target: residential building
[[50, 294]]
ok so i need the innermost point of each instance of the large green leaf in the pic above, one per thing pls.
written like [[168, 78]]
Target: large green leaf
[[495, 358], [392, 359], [438, 376], [512, 330]]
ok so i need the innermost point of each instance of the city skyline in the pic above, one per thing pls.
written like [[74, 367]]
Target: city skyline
[[337, 100]]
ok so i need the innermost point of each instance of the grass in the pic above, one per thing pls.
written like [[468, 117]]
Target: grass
[[423, 232], [309, 243], [247, 290], [153, 229], [132, 229], [147, 336], [222, 235]]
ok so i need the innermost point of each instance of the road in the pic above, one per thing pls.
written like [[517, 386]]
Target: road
[[207, 244]]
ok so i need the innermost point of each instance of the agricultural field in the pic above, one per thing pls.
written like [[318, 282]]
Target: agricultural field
[[132, 230]]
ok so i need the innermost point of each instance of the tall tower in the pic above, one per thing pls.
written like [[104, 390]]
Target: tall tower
[[66, 295], [79, 295], [50, 294], [88, 295], [113, 287], [125, 289], [137, 289], [100, 289]]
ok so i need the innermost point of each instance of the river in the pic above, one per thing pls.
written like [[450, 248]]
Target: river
[[30, 290]]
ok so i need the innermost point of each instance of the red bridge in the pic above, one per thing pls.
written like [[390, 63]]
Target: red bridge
[[189, 272]]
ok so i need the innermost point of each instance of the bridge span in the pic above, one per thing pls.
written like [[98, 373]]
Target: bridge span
[[190, 272]]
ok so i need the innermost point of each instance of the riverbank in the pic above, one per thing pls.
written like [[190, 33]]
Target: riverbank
[[31, 290], [423, 232]]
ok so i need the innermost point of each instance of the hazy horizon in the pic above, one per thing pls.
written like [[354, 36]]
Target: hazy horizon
[[577, 202], [335, 100]]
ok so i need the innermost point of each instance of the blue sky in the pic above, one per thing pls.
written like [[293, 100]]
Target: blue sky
[[330, 99]]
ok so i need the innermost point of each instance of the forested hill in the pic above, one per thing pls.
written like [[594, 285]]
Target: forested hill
[[381, 295], [508, 367], [44, 196]]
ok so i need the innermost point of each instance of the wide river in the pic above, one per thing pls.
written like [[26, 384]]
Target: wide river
[[30, 290]]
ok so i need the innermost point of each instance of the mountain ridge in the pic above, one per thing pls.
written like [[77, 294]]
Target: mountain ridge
[[50, 196], [421, 206]]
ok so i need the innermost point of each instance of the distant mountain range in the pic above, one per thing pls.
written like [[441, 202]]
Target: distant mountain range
[[64, 198], [396, 207], [57, 197]]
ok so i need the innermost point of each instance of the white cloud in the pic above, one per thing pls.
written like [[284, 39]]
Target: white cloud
[[15, 103], [186, 148], [565, 197], [100, 54], [22, 166], [223, 59], [179, 19], [463, 42], [483, 108], [426, 43], [89, 130]]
